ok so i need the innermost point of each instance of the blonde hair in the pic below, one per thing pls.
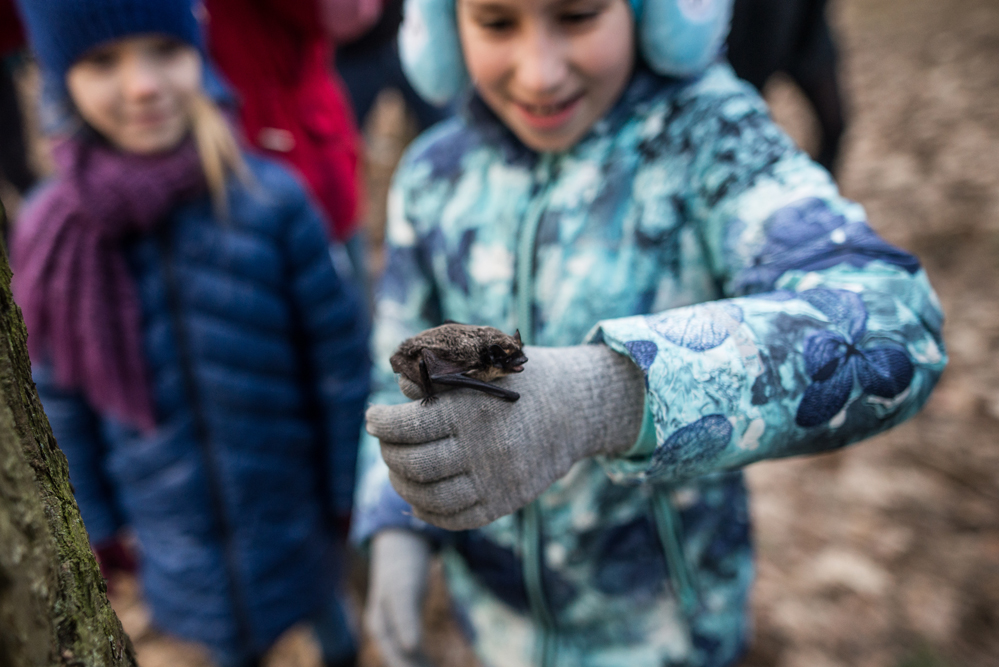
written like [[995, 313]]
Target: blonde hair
[[218, 150]]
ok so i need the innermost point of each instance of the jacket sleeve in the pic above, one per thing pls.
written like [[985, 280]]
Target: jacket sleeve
[[77, 431], [825, 334], [406, 304], [335, 332]]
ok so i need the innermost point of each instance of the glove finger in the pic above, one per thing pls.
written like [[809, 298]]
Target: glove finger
[[470, 518], [427, 462], [405, 624], [393, 656], [445, 497], [374, 624], [408, 424], [377, 625]]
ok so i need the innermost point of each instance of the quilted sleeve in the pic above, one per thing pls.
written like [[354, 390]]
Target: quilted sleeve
[[335, 344]]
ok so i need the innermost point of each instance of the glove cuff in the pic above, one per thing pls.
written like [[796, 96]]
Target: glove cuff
[[623, 392], [646, 442], [605, 398]]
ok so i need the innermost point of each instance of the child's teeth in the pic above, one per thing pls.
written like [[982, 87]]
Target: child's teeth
[[545, 109]]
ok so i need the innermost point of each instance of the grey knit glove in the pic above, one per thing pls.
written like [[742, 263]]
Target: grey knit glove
[[469, 458], [400, 562]]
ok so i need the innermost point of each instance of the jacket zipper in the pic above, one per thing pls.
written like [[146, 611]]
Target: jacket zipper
[[219, 516], [668, 528], [666, 518]]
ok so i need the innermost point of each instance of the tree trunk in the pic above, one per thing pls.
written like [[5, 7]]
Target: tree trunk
[[53, 602]]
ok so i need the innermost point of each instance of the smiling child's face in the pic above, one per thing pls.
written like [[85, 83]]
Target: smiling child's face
[[549, 69], [137, 91]]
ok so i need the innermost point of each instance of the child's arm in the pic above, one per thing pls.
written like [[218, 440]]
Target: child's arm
[[839, 340], [335, 341], [77, 431], [831, 336]]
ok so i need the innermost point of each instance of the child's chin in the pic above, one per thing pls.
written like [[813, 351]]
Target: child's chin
[[153, 142], [549, 142]]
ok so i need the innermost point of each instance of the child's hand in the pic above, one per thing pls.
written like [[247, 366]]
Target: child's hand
[[469, 458], [400, 562]]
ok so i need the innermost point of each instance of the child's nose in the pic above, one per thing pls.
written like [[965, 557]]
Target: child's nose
[[140, 78], [541, 64]]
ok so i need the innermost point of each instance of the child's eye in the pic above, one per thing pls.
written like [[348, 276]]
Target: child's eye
[[579, 13], [578, 18], [101, 58], [497, 25], [166, 47]]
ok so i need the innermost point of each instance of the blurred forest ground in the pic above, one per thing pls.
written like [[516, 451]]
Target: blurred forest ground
[[885, 554]]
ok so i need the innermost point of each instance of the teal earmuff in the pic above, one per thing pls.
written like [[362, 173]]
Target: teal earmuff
[[675, 37]]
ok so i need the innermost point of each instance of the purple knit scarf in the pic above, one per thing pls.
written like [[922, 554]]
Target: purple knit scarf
[[71, 279]]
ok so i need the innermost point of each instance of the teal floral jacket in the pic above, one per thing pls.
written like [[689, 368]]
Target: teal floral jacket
[[687, 232]]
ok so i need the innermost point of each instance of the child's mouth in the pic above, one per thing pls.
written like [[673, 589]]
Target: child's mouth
[[548, 116]]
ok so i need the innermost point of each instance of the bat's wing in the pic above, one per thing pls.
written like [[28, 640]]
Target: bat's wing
[[452, 375], [437, 366], [459, 380]]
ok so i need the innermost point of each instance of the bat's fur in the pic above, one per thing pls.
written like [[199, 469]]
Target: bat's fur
[[460, 355]]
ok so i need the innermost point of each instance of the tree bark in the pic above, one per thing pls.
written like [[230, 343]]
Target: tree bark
[[53, 601]]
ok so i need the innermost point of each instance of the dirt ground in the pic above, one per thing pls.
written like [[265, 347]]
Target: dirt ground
[[886, 554]]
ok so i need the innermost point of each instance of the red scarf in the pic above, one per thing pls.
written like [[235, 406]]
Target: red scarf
[[71, 279]]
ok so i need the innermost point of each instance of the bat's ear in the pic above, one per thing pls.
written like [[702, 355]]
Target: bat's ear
[[516, 337], [496, 354]]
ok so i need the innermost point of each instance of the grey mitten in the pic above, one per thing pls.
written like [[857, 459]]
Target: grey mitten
[[400, 563], [469, 458]]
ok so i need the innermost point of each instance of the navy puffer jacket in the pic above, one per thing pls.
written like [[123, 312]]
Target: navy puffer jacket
[[258, 356]]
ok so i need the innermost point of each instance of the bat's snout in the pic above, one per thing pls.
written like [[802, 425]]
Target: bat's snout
[[516, 365]]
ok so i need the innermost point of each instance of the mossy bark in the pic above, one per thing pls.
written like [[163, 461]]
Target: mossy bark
[[53, 602]]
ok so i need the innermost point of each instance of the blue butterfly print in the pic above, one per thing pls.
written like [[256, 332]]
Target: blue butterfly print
[[683, 452], [834, 359], [643, 352], [698, 328], [808, 236]]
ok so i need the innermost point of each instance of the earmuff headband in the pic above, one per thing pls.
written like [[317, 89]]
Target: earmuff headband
[[675, 37]]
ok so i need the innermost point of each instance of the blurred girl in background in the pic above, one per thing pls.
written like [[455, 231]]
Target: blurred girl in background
[[201, 363]]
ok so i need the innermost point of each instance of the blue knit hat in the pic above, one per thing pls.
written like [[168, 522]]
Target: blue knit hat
[[61, 31]]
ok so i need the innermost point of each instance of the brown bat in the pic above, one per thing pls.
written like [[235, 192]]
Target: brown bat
[[460, 355]]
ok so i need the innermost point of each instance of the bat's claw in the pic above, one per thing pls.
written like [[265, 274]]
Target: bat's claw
[[429, 400]]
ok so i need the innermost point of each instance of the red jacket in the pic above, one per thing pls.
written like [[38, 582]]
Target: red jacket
[[11, 32], [278, 57]]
